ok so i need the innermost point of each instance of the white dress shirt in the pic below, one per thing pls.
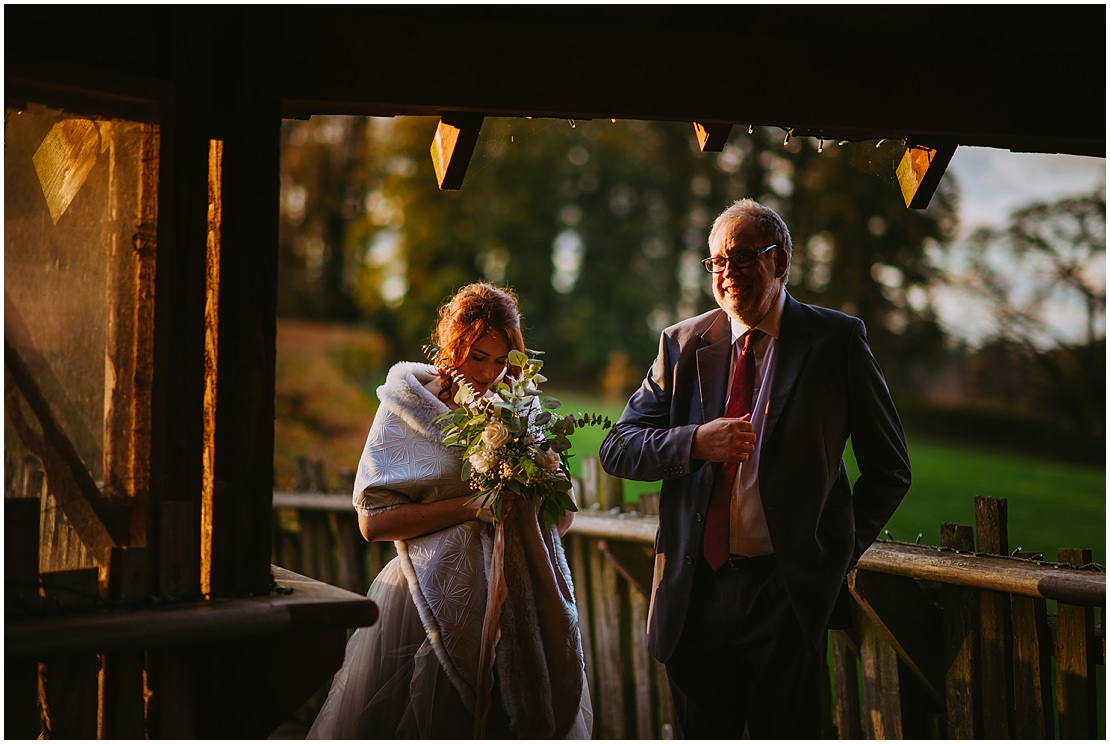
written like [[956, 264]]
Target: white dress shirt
[[748, 533]]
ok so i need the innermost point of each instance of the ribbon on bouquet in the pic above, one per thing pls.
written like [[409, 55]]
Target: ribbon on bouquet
[[491, 630]]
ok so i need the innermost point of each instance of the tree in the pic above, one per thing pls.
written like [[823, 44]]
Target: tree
[[1042, 279], [322, 160], [600, 226]]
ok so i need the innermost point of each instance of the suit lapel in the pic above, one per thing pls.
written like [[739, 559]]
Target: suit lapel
[[790, 352], [713, 358]]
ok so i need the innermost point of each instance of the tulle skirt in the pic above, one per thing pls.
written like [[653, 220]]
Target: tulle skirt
[[392, 686]]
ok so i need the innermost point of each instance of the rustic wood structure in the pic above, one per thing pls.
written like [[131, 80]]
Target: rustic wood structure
[[174, 112], [955, 641]]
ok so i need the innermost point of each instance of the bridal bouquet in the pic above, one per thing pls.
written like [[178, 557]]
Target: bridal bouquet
[[515, 443]]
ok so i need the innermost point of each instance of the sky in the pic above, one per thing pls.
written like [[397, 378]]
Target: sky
[[994, 183]]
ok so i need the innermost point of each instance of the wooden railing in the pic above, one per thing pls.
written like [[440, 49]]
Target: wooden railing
[[955, 641]]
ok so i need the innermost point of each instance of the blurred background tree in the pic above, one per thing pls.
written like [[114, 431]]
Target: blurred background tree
[[1041, 283], [599, 226]]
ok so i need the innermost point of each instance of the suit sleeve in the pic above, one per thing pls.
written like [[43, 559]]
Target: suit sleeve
[[878, 443], [651, 445]]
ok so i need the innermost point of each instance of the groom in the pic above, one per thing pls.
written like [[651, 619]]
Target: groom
[[758, 523]]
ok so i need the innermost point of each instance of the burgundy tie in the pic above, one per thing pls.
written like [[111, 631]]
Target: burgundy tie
[[715, 546]]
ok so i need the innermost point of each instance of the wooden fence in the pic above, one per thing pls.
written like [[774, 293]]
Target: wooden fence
[[956, 641]]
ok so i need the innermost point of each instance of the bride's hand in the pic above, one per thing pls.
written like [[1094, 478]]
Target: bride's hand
[[485, 511]]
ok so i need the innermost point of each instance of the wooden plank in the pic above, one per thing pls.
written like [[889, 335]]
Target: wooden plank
[[1012, 575], [580, 575], [127, 577], [1032, 670], [666, 719], [920, 170], [245, 284], [881, 695], [345, 550], [636, 563], [991, 525], [177, 527], [299, 602], [996, 664], [173, 712], [605, 603], [712, 136], [1075, 662], [452, 147], [101, 524], [21, 555], [71, 695], [124, 708], [77, 588], [611, 491], [641, 669], [961, 650], [589, 490], [623, 528], [845, 676], [22, 719], [908, 621], [995, 624]]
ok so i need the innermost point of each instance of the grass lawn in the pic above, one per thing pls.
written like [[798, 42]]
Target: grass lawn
[[1051, 505]]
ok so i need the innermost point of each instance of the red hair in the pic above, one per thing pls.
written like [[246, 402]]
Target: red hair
[[475, 310]]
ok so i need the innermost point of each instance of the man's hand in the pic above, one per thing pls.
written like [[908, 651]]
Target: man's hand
[[724, 440]]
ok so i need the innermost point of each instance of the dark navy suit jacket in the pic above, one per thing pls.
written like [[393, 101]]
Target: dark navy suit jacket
[[826, 388]]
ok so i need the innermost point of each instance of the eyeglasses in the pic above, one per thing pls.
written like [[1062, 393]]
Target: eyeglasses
[[739, 260]]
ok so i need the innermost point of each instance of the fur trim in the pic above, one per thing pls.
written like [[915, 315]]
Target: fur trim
[[431, 626], [404, 393]]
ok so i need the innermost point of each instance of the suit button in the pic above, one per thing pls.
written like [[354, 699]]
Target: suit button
[[689, 561], [697, 516]]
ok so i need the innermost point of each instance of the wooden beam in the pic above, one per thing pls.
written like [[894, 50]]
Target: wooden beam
[[452, 147], [1076, 660], [102, 525], [920, 171], [900, 611], [712, 136], [634, 562], [961, 645]]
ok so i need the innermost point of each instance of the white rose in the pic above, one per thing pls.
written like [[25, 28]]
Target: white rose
[[481, 461], [496, 435], [547, 459]]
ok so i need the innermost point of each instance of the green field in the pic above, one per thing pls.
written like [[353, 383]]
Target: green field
[[1051, 505]]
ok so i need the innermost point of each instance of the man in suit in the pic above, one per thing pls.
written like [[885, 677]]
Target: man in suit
[[758, 523]]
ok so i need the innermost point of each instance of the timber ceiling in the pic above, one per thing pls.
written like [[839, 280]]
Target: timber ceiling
[[1019, 77]]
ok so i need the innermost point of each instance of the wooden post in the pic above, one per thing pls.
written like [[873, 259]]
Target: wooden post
[[845, 675], [587, 490], [1075, 662], [22, 719], [907, 620], [605, 602], [70, 694], [1032, 669], [995, 625], [882, 702], [641, 661], [961, 644], [666, 719], [580, 575]]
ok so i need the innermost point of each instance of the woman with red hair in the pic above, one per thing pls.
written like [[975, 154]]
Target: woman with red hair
[[415, 673]]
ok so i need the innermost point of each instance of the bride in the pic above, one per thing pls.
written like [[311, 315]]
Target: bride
[[414, 673]]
